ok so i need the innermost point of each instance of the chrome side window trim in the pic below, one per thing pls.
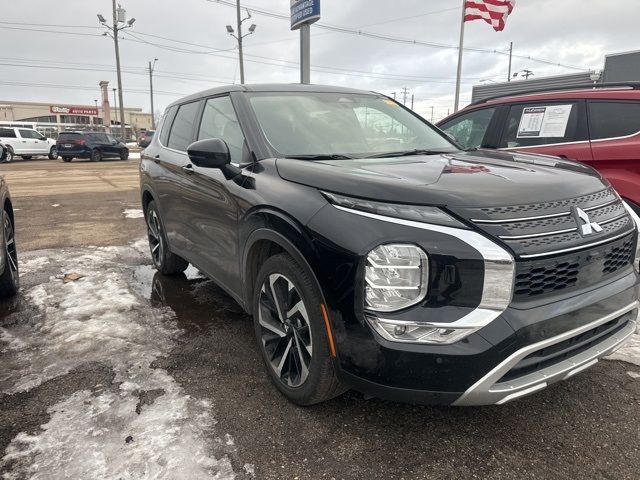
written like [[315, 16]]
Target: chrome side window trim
[[499, 265]]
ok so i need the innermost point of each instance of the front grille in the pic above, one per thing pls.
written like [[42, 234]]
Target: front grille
[[550, 228], [558, 352], [572, 271]]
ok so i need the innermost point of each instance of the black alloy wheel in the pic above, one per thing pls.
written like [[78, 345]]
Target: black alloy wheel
[[165, 261], [286, 330], [124, 154], [96, 155], [10, 278]]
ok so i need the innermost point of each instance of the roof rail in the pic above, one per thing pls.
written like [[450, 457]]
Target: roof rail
[[581, 86]]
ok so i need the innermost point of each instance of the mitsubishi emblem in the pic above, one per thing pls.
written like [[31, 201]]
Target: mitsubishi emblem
[[585, 225]]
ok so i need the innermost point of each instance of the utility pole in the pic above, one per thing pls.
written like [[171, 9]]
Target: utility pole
[[151, 68], [115, 107], [412, 98], [239, 36], [510, 59], [405, 92], [394, 95], [431, 114], [460, 50], [119, 16]]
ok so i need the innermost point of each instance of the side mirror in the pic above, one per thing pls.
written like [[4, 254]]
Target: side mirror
[[209, 153]]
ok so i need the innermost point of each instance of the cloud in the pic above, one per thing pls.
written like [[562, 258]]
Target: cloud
[[564, 32]]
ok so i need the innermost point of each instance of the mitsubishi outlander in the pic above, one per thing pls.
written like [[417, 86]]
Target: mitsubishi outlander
[[374, 254]]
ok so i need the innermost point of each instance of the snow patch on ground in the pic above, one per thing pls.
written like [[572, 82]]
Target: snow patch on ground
[[99, 434], [32, 264], [133, 213]]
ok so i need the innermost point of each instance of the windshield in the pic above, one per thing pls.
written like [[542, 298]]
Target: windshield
[[300, 124]]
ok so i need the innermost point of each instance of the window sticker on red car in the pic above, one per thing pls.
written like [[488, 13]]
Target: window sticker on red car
[[547, 121]]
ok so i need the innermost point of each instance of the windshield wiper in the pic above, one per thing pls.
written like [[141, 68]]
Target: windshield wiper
[[332, 156], [408, 153]]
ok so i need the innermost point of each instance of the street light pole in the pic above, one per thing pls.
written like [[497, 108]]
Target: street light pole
[[118, 17], [153, 117], [115, 107], [239, 36]]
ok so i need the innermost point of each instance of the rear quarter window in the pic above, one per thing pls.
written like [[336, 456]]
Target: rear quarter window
[[7, 133], [613, 119]]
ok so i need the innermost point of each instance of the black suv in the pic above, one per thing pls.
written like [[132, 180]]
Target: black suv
[[373, 254], [92, 145]]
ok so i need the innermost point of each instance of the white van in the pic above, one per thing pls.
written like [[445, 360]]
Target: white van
[[26, 143]]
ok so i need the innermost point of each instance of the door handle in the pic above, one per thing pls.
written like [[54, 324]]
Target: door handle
[[188, 169]]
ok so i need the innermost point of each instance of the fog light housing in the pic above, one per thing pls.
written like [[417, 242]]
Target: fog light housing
[[416, 332], [636, 219], [396, 277]]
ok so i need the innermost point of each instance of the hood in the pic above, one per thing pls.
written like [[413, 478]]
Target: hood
[[464, 179]]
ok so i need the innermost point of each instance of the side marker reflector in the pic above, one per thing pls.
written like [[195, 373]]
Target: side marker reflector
[[327, 326]]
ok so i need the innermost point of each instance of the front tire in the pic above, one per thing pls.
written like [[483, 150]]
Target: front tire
[[124, 155], [96, 155], [164, 260], [53, 153], [291, 332], [10, 278]]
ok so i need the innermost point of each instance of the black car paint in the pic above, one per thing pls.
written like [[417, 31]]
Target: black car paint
[[107, 149], [219, 224]]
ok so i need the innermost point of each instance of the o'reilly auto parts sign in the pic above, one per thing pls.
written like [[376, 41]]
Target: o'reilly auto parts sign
[[73, 110], [304, 12]]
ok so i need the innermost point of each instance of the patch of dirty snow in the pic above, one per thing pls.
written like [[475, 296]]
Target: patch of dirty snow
[[109, 432], [133, 213], [249, 469], [32, 264], [633, 374], [630, 352], [55, 205]]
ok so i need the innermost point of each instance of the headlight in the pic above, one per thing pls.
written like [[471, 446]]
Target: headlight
[[396, 277], [634, 215]]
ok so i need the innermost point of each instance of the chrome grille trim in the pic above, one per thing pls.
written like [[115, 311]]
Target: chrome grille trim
[[579, 247]]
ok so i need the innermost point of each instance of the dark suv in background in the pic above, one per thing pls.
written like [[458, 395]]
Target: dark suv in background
[[374, 254], [92, 145], [596, 124]]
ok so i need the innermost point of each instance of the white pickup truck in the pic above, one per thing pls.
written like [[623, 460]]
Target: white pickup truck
[[26, 143]]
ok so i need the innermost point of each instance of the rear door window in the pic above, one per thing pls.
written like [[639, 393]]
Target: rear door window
[[181, 135], [530, 125], [469, 129], [613, 119]]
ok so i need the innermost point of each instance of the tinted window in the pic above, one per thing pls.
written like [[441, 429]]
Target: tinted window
[[69, 137], [109, 139], [181, 135], [93, 137], [219, 120], [613, 119], [166, 124], [541, 124], [469, 129], [7, 133], [28, 134]]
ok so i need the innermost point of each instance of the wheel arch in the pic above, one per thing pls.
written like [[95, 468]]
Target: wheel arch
[[277, 234]]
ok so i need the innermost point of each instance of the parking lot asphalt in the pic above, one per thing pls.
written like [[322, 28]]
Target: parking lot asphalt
[[124, 373]]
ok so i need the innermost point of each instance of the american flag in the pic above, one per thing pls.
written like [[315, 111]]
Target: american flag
[[494, 12]]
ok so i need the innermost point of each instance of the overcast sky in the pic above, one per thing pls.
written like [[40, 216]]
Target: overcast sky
[[66, 67]]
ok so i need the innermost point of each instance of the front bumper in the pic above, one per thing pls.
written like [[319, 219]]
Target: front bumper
[[486, 368]]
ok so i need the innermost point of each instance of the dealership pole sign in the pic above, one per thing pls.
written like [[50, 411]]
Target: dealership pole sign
[[304, 12]]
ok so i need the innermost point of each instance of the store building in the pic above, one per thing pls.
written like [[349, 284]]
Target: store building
[[618, 67], [53, 118]]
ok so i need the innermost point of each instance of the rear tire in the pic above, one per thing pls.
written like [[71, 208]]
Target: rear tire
[[53, 153], [124, 155], [291, 332], [10, 278], [164, 260], [8, 155], [96, 155], [67, 159]]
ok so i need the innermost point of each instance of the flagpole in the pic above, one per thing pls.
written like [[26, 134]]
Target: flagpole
[[459, 75]]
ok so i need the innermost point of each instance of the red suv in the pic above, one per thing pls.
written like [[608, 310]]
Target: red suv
[[598, 126]]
